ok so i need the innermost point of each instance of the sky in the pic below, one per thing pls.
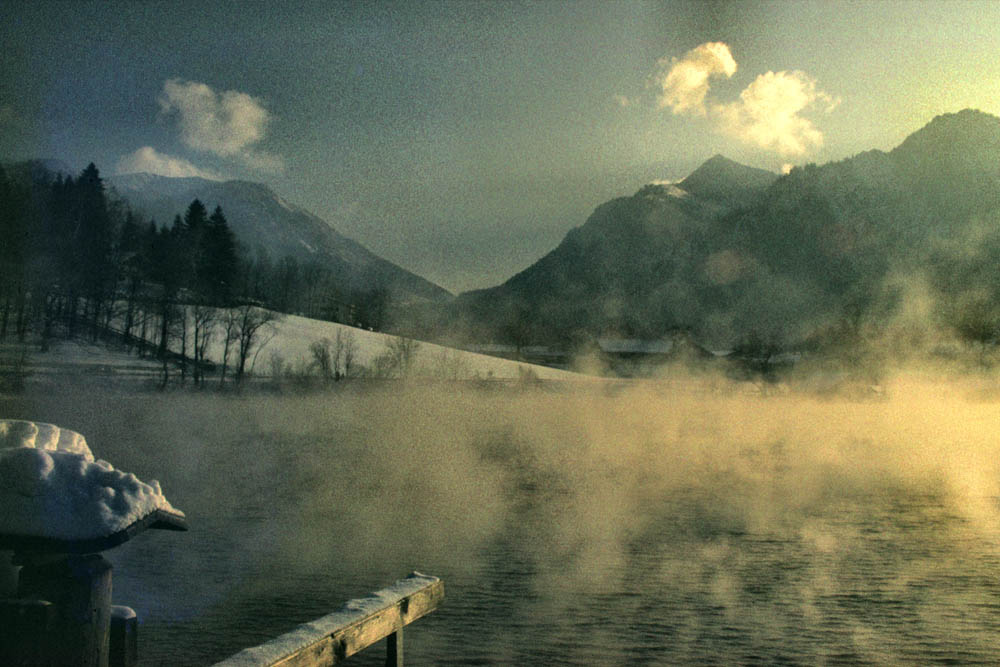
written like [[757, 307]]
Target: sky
[[462, 140]]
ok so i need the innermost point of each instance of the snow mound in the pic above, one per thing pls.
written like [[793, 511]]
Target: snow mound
[[52, 488], [18, 433]]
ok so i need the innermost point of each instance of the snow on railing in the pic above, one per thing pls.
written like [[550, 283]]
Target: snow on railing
[[356, 626]]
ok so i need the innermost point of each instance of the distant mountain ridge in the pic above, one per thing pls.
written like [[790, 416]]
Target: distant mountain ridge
[[262, 219], [38, 169], [727, 182], [734, 254]]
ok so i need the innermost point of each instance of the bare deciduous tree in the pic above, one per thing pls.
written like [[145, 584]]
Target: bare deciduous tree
[[398, 358], [229, 320], [204, 318], [254, 329], [347, 348], [325, 359]]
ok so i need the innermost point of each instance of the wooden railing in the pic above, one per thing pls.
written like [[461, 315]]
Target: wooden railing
[[356, 626]]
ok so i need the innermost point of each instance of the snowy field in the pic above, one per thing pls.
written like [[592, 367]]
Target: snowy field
[[291, 338], [282, 349]]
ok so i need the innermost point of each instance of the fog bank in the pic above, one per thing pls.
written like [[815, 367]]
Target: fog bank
[[336, 494]]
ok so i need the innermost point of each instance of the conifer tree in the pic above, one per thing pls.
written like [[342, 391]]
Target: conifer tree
[[192, 251], [130, 257], [221, 264], [13, 254], [94, 235]]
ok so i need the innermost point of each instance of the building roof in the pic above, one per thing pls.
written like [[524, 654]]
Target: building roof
[[634, 346]]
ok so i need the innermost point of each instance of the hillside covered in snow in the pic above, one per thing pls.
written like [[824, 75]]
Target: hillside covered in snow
[[286, 346]]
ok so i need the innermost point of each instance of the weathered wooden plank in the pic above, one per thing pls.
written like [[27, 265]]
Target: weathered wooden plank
[[356, 626], [158, 518]]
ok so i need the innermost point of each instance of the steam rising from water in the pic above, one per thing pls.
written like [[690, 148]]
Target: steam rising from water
[[554, 513]]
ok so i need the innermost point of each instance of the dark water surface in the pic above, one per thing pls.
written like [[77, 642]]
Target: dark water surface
[[556, 546]]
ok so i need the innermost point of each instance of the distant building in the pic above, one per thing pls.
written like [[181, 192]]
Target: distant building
[[494, 350], [341, 311], [636, 357], [543, 355], [624, 357], [546, 355]]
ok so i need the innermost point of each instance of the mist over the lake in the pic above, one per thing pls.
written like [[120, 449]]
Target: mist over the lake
[[533, 501]]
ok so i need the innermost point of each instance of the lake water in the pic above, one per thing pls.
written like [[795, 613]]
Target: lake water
[[640, 526]]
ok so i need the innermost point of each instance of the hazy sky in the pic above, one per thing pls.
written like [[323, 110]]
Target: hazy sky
[[462, 140]]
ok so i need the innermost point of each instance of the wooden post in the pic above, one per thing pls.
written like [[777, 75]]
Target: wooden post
[[22, 624], [79, 588], [123, 644], [394, 649]]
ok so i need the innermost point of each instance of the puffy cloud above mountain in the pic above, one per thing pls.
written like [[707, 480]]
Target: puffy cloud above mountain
[[768, 113], [685, 83], [229, 124], [148, 160]]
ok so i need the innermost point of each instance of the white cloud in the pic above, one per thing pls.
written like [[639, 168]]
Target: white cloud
[[228, 124], [685, 84], [148, 160], [769, 113], [262, 161]]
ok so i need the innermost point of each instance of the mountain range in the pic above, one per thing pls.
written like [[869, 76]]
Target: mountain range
[[733, 254], [261, 219]]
